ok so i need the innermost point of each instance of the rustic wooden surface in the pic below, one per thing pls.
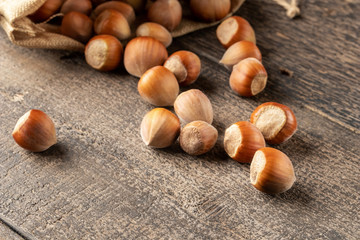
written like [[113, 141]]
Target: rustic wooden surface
[[101, 182]]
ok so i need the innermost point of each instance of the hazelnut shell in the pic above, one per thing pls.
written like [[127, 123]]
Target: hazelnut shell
[[276, 121], [158, 86], [235, 29], [35, 131], [159, 128], [193, 105], [242, 140], [239, 51], [271, 171], [143, 53], [248, 77], [185, 65]]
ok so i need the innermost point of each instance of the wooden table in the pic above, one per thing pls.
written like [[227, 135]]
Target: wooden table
[[101, 182]]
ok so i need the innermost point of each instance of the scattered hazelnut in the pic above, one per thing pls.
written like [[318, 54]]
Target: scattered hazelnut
[[125, 9], [271, 171], [210, 10], [83, 6], [35, 131], [185, 65], [77, 26], [193, 105], [155, 30], [276, 122], [49, 8], [239, 51], [168, 13], [104, 52], [160, 128], [235, 29], [143, 53], [248, 77], [198, 137], [113, 23], [158, 86], [242, 140]]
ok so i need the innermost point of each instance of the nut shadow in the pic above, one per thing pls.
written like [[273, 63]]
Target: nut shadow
[[297, 148], [56, 153], [297, 195]]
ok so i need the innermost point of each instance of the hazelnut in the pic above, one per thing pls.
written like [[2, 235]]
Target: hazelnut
[[155, 30], [276, 122], [143, 53], [248, 77], [242, 140], [160, 128], [104, 52], [235, 29], [113, 23], [125, 9], [77, 26], [158, 86], [210, 10], [83, 6], [168, 13], [271, 171], [198, 137], [185, 65], [49, 8], [239, 51], [193, 105], [35, 131]]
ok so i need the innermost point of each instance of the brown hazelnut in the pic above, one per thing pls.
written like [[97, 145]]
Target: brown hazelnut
[[112, 22], [155, 30], [77, 26], [276, 122], [248, 77], [143, 53], [235, 29], [239, 51], [49, 8], [210, 10], [242, 140], [271, 171], [159, 128], [168, 13], [198, 137], [185, 65], [35, 131], [158, 86], [83, 6], [104, 52], [125, 9], [193, 105]]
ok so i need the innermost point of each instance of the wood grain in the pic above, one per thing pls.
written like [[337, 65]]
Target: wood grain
[[101, 182], [7, 233]]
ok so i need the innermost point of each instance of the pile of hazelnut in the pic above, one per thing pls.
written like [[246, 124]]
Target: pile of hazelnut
[[145, 56]]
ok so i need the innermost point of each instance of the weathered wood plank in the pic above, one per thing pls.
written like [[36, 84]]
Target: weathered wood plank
[[321, 48], [101, 182], [7, 234]]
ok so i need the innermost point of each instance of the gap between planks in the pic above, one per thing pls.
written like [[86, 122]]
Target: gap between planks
[[17, 230], [321, 113]]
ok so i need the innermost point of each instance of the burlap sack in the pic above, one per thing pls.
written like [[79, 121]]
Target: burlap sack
[[23, 32]]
